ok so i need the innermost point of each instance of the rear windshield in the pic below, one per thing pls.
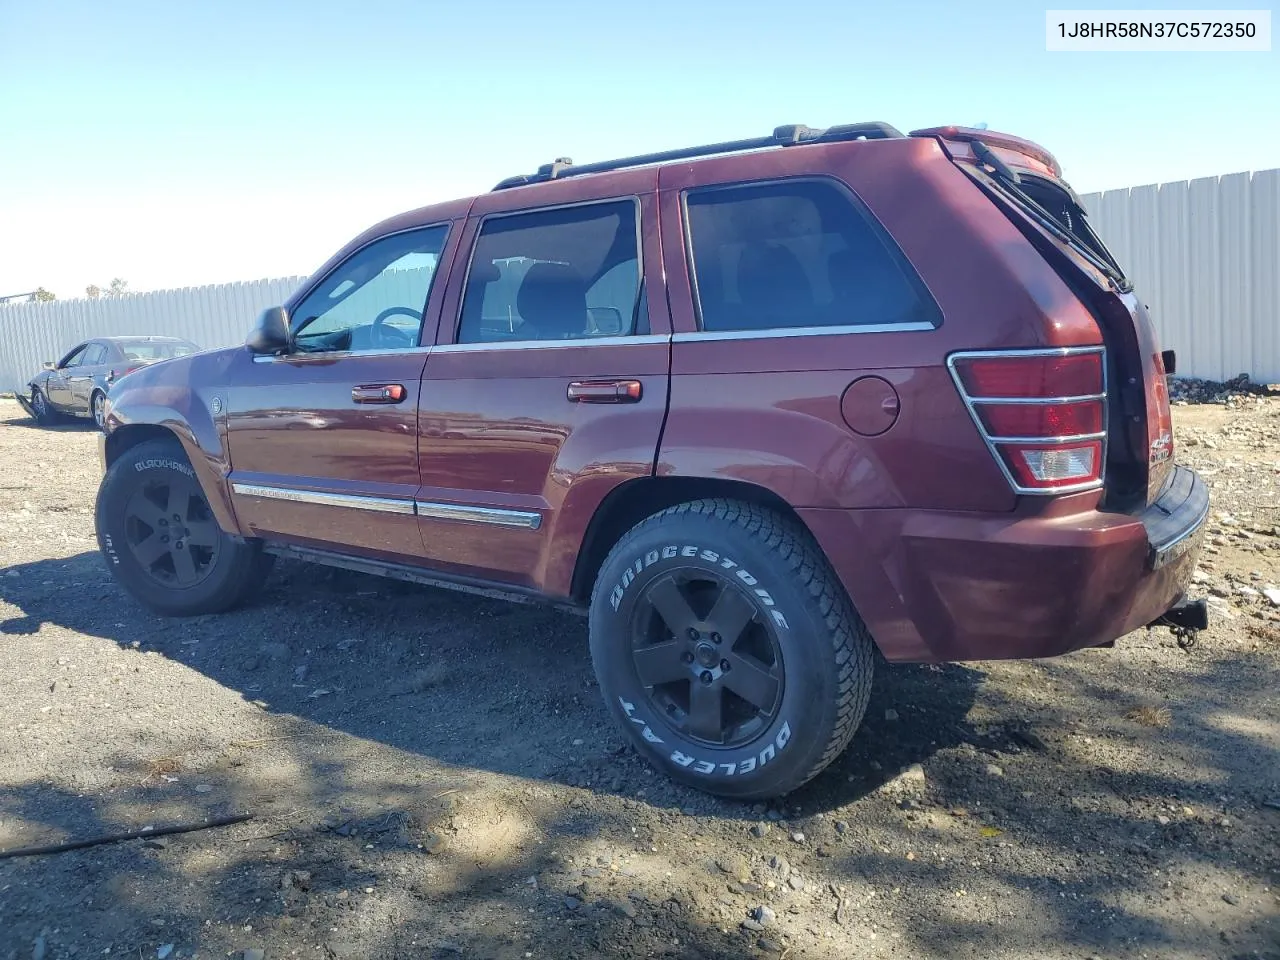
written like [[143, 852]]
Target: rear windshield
[[155, 349], [1054, 206]]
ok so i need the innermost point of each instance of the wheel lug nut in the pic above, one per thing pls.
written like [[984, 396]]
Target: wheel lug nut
[[693, 634], [724, 664], [706, 676], [715, 638], [687, 657], [164, 539], [163, 522]]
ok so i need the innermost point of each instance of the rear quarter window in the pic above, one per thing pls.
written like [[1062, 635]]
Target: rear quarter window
[[797, 254]]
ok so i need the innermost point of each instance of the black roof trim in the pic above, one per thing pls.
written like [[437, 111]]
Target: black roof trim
[[785, 136]]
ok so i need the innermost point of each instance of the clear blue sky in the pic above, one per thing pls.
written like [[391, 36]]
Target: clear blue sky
[[176, 143]]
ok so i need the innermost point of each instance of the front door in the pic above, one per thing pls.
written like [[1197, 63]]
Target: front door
[[324, 440], [548, 386], [58, 383]]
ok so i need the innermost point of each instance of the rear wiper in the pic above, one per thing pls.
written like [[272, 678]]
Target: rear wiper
[[989, 158], [1013, 183]]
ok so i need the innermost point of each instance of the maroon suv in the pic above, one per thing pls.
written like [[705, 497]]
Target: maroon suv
[[760, 407]]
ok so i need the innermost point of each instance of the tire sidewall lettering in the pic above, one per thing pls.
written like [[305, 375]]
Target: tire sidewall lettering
[[760, 757], [722, 563], [163, 464]]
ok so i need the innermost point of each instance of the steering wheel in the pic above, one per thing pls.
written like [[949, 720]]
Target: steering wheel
[[390, 336]]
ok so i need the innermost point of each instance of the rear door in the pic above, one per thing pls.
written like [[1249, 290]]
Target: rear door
[[82, 379], [548, 386]]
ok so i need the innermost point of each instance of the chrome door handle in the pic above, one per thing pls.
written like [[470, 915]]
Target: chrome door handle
[[379, 393], [604, 391]]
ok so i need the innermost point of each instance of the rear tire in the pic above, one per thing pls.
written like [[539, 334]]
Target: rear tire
[[161, 542], [767, 681]]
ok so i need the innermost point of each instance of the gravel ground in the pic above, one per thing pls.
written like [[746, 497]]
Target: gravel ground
[[433, 775]]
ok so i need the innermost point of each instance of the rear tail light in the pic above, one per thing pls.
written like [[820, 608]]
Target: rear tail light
[[1042, 413], [1162, 443]]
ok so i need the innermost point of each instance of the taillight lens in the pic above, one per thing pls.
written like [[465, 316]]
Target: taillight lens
[[1042, 413], [1162, 441], [1059, 375], [1051, 468], [1041, 419]]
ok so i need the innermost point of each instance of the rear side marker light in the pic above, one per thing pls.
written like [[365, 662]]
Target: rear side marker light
[[1042, 414]]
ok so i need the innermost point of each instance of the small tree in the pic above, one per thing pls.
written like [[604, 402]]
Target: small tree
[[92, 292], [42, 296], [118, 287]]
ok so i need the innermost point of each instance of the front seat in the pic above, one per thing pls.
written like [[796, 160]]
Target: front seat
[[552, 302]]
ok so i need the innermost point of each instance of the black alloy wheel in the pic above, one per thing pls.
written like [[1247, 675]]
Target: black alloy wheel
[[707, 660], [170, 531]]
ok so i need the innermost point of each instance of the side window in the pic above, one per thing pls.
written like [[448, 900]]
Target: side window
[[375, 299], [565, 274], [796, 253], [93, 355], [75, 358]]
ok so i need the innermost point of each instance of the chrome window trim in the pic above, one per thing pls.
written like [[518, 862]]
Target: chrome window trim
[[358, 502], [918, 326], [526, 519], [632, 198], [616, 341], [330, 356], [860, 210], [991, 442], [522, 519]]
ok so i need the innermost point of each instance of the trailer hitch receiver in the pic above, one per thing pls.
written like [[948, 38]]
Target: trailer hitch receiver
[[1185, 619]]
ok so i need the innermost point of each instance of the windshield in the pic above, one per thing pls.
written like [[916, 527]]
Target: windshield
[[155, 349]]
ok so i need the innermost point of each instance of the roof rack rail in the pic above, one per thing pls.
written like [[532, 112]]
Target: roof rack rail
[[789, 135]]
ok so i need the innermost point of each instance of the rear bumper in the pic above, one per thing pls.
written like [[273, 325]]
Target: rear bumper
[[1049, 578]]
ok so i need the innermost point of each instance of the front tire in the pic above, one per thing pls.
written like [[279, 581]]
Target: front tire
[[45, 415], [727, 649], [97, 407], [161, 542]]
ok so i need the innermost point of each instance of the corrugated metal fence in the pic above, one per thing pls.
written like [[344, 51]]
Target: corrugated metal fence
[[1205, 255], [214, 316]]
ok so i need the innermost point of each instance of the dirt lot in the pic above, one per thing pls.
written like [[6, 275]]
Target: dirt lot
[[433, 775]]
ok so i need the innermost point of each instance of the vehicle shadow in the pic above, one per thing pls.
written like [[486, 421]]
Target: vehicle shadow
[[222, 891], [64, 425], [1077, 844], [464, 680]]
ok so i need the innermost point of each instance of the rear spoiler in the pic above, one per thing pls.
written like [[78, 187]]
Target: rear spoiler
[[960, 143]]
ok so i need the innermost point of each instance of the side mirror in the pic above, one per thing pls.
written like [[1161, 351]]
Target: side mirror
[[271, 333], [50, 365]]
